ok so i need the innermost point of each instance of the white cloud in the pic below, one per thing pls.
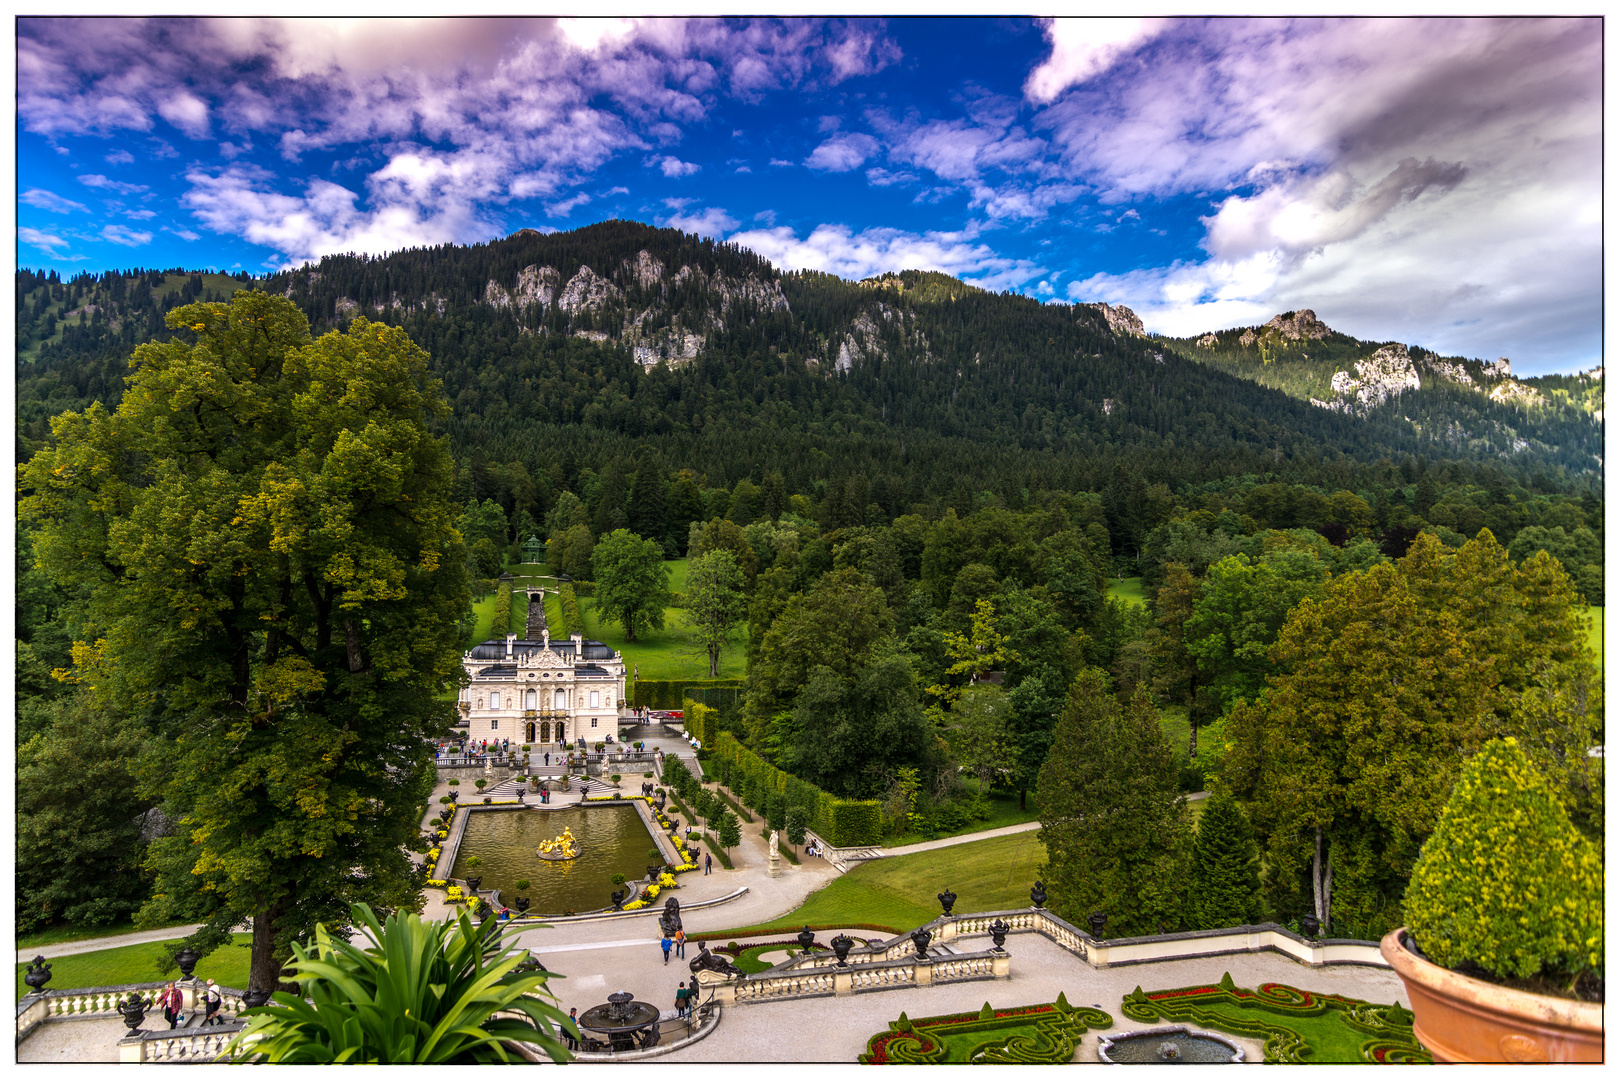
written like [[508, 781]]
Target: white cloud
[[49, 200], [562, 209], [711, 221], [127, 237], [673, 166], [842, 153], [1083, 48], [184, 234], [837, 249], [101, 183], [120, 157], [140, 215], [186, 111], [46, 242], [884, 178]]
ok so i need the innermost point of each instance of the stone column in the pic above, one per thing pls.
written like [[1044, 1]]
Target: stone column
[[1001, 965], [925, 972], [843, 981], [774, 869]]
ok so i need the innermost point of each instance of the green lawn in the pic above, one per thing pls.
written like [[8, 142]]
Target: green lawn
[[899, 893], [1127, 589], [1003, 811], [1594, 636], [664, 654], [228, 965], [57, 935]]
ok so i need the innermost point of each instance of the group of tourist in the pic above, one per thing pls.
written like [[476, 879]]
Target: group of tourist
[[173, 1001]]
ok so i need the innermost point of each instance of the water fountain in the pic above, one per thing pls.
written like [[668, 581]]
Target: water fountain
[[1177, 1045]]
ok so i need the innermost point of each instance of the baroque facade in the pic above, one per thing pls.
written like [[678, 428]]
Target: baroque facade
[[543, 691]]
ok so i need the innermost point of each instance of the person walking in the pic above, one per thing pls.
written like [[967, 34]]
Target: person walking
[[680, 944], [708, 863], [548, 759], [666, 943], [682, 999], [171, 1000], [211, 1001], [573, 1019]]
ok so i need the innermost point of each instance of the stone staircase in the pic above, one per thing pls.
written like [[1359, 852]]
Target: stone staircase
[[537, 617]]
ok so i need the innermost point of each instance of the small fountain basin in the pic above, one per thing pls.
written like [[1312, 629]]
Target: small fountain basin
[[1176, 1045]]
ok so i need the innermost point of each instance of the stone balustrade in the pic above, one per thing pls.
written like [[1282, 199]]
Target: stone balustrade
[[871, 973], [181, 1046]]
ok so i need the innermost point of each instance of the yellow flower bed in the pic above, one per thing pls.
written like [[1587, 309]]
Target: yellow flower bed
[[666, 880], [436, 884], [634, 904]]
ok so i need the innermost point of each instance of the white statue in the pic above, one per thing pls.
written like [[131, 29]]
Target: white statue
[[773, 843]]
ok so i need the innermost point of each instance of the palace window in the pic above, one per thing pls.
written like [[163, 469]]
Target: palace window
[[596, 698], [560, 699], [593, 721], [531, 699], [494, 725]]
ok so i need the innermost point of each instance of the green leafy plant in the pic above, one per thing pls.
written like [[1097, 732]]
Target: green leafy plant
[[1506, 882], [426, 993], [520, 884], [479, 784], [474, 862]]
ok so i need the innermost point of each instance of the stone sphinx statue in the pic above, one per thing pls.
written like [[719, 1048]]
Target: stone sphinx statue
[[708, 961]]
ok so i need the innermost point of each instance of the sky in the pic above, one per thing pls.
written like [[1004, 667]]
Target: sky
[[1437, 182]]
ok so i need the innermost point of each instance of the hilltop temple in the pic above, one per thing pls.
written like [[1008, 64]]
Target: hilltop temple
[[539, 690]]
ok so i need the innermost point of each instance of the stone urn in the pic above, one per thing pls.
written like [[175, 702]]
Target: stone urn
[[841, 946], [1037, 895], [522, 904], [37, 975], [187, 959], [806, 938], [998, 934], [133, 1011], [1460, 1019], [921, 938], [947, 900], [473, 883], [255, 998]]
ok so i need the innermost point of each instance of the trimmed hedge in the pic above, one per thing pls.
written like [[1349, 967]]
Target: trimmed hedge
[[841, 822], [671, 693], [702, 722], [573, 621], [501, 624]]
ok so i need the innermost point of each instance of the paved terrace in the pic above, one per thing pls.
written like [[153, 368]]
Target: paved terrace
[[603, 955]]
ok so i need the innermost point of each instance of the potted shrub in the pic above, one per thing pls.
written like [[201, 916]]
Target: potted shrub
[[1505, 923], [479, 784], [615, 779]]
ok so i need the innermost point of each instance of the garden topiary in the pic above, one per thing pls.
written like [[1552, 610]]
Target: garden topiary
[[1506, 883]]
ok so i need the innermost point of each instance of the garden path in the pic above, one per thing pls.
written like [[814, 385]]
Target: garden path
[[71, 948]]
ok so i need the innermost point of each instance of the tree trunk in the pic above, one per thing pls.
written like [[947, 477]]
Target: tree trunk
[[1022, 792], [264, 968], [1321, 882]]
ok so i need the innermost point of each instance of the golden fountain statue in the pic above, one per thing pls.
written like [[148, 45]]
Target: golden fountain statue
[[564, 847]]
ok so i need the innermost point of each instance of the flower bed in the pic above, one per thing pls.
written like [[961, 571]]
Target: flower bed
[[1298, 1026], [1028, 1035]]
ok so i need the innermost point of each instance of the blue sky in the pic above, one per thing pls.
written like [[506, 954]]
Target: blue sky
[[1434, 182]]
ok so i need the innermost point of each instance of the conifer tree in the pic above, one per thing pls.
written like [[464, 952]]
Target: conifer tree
[[1225, 878]]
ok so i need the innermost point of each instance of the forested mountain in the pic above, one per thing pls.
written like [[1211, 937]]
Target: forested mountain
[[1469, 406], [580, 345]]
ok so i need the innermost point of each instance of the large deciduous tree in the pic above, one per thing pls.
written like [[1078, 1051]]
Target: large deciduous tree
[[632, 582], [277, 587], [714, 602]]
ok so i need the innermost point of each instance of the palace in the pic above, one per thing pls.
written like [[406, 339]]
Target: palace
[[542, 691]]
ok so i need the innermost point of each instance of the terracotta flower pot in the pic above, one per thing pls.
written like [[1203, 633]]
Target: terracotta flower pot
[[1465, 1020]]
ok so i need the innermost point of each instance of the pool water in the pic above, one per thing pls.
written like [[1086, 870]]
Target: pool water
[[611, 839]]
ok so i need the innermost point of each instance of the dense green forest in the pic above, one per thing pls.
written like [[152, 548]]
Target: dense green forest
[[921, 483]]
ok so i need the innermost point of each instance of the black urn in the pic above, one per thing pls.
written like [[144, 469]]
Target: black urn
[[947, 900], [618, 897], [1310, 926], [1097, 920], [134, 1011], [38, 974], [998, 934], [1037, 895], [807, 938], [187, 959], [921, 938], [841, 946], [473, 883], [253, 997], [522, 904]]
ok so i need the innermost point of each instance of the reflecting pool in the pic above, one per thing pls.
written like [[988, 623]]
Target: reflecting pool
[[612, 840]]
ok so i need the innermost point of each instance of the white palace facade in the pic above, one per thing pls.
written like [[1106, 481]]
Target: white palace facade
[[545, 691]]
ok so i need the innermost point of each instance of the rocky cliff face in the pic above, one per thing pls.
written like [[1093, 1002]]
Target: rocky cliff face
[[1385, 374], [1301, 325], [642, 283], [1121, 320]]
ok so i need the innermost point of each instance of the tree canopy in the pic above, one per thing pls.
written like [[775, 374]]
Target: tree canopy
[[632, 582], [276, 586]]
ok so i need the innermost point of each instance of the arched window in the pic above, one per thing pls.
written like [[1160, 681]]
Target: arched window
[[494, 701], [531, 699], [560, 701]]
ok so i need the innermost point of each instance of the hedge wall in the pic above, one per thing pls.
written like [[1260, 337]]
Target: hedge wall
[[573, 621], [671, 693], [702, 722], [841, 822], [501, 624]]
